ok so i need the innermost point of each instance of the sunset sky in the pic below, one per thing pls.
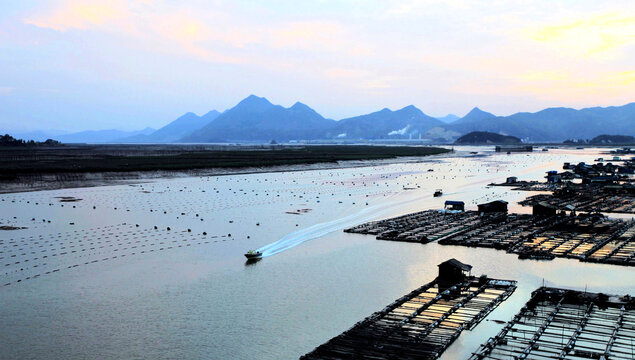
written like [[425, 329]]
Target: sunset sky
[[75, 65]]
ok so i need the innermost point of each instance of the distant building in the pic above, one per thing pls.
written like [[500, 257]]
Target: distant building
[[553, 177], [544, 209], [512, 180], [455, 205], [494, 206], [519, 148]]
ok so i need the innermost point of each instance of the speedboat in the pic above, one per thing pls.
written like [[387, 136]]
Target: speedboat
[[253, 254], [438, 193]]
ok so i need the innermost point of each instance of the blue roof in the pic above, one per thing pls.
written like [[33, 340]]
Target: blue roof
[[450, 202]]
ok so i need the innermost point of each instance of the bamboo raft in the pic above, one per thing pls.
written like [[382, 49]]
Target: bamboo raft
[[421, 324], [566, 324]]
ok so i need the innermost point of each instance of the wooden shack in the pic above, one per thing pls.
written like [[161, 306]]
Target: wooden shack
[[494, 206], [544, 209], [455, 205], [453, 271]]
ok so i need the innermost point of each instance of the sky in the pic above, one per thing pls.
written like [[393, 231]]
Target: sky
[[127, 64]]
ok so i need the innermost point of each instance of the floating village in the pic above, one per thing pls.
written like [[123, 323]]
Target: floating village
[[573, 218]]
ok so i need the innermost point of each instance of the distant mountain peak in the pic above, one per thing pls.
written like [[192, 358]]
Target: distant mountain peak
[[475, 114], [254, 103], [410, 109], [212, 113], [477, 110], [298, 105]]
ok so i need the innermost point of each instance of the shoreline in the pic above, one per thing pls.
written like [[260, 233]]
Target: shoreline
[[58, 181]]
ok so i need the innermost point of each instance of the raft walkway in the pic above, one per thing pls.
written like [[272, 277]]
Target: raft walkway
[[421, 324]]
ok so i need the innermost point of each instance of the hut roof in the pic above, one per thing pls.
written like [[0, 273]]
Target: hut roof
[[454, 262]]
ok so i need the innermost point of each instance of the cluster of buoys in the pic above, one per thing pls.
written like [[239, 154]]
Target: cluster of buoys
[[30, 254]]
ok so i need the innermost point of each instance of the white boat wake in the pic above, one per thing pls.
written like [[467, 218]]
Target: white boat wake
[[318, 230]]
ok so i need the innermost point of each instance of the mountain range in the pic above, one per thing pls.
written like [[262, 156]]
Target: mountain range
[[100, 136], [555, 124], [174, 131], [255, 119]]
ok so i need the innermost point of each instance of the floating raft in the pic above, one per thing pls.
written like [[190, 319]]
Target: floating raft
[[566, 324], [421, 324], [591, 238], [588, 199]]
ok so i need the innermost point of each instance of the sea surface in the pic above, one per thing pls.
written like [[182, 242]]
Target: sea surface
[[94, 279]]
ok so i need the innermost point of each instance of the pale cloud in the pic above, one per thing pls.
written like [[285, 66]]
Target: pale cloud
[[567, 87], [310, 35], [68, 15], [164, 26], [410, 7], [378, 83], [361, 79], [6, 90], [346, 73], [589, 36], [388, 51]]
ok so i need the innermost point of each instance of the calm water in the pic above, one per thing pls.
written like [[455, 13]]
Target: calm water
[[131, 291]]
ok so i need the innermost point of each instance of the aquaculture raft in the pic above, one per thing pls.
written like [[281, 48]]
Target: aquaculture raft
[[566, 324], [586, 198], [591, 238], [421, 324]]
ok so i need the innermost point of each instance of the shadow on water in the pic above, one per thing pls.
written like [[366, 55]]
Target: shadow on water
[[251, 262]]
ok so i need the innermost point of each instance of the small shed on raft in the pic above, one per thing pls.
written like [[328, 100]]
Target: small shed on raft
[[544, 209], [454, 270], [494, 206], [455, 205]]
